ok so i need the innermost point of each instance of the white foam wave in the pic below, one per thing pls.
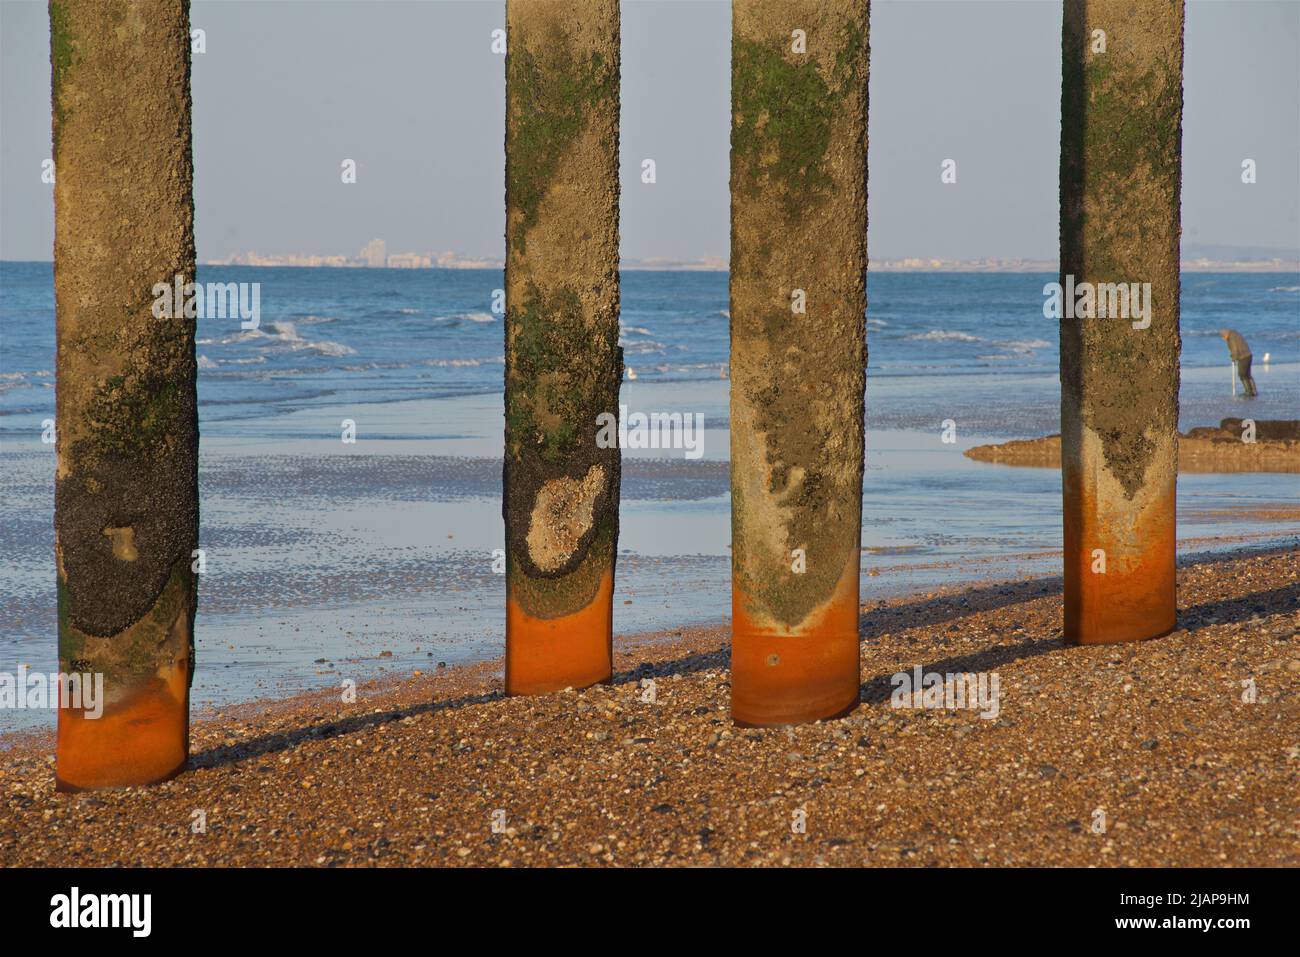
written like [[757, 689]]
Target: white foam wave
[[1024, 346], [17, 380], [945, 335], [641, 348], [464, 363], [285, 333]]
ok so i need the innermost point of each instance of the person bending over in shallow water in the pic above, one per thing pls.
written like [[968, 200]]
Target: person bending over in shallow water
[[1240, 353]]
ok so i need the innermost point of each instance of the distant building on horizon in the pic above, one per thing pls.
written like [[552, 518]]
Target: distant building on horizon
[[252, 258], [409, 261], [374, 253]]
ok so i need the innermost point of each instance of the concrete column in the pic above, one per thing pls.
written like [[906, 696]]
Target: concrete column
[[1121, 132], [563, 361], [126, 489], [798, 354]]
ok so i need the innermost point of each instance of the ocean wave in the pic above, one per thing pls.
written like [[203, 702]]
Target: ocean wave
[[944, 335], [649, 347], [686, 370], [464, 363], [876, 323], [1285, 289], [9, 381], [1024, 346], [285, 333], [247, 335], [327, 348], [467, 317], [635, 330], [205, 363]]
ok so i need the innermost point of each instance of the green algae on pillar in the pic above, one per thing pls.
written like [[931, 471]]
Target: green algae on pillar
[[563, 361], [126, 487], [798, 354], [1121, 169]]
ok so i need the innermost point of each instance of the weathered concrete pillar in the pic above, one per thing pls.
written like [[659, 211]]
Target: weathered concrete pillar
[[563, 362], [126, 490], [798, 354], [1121, 168]]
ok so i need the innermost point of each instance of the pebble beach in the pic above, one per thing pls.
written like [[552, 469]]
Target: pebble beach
[[1182, 750]]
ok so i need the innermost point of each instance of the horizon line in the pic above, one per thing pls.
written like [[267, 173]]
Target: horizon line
[[1025, 266]]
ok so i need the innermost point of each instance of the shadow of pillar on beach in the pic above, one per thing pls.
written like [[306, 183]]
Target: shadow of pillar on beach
[[879, 689], [267, 744], [881, 620], [876, 690]]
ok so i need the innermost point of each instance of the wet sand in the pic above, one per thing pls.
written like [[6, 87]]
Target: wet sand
[[1276, 448], [1151, 739]]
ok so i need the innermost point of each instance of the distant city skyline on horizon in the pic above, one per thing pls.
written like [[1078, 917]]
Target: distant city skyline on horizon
[[1194, 259]]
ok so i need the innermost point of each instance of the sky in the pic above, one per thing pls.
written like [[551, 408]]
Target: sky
[[412, 91]]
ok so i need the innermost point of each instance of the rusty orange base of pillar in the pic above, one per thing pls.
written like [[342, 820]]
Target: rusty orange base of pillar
[[1118, 606], [572, 651], [1134, 598], [142, 740], [794, 677]]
